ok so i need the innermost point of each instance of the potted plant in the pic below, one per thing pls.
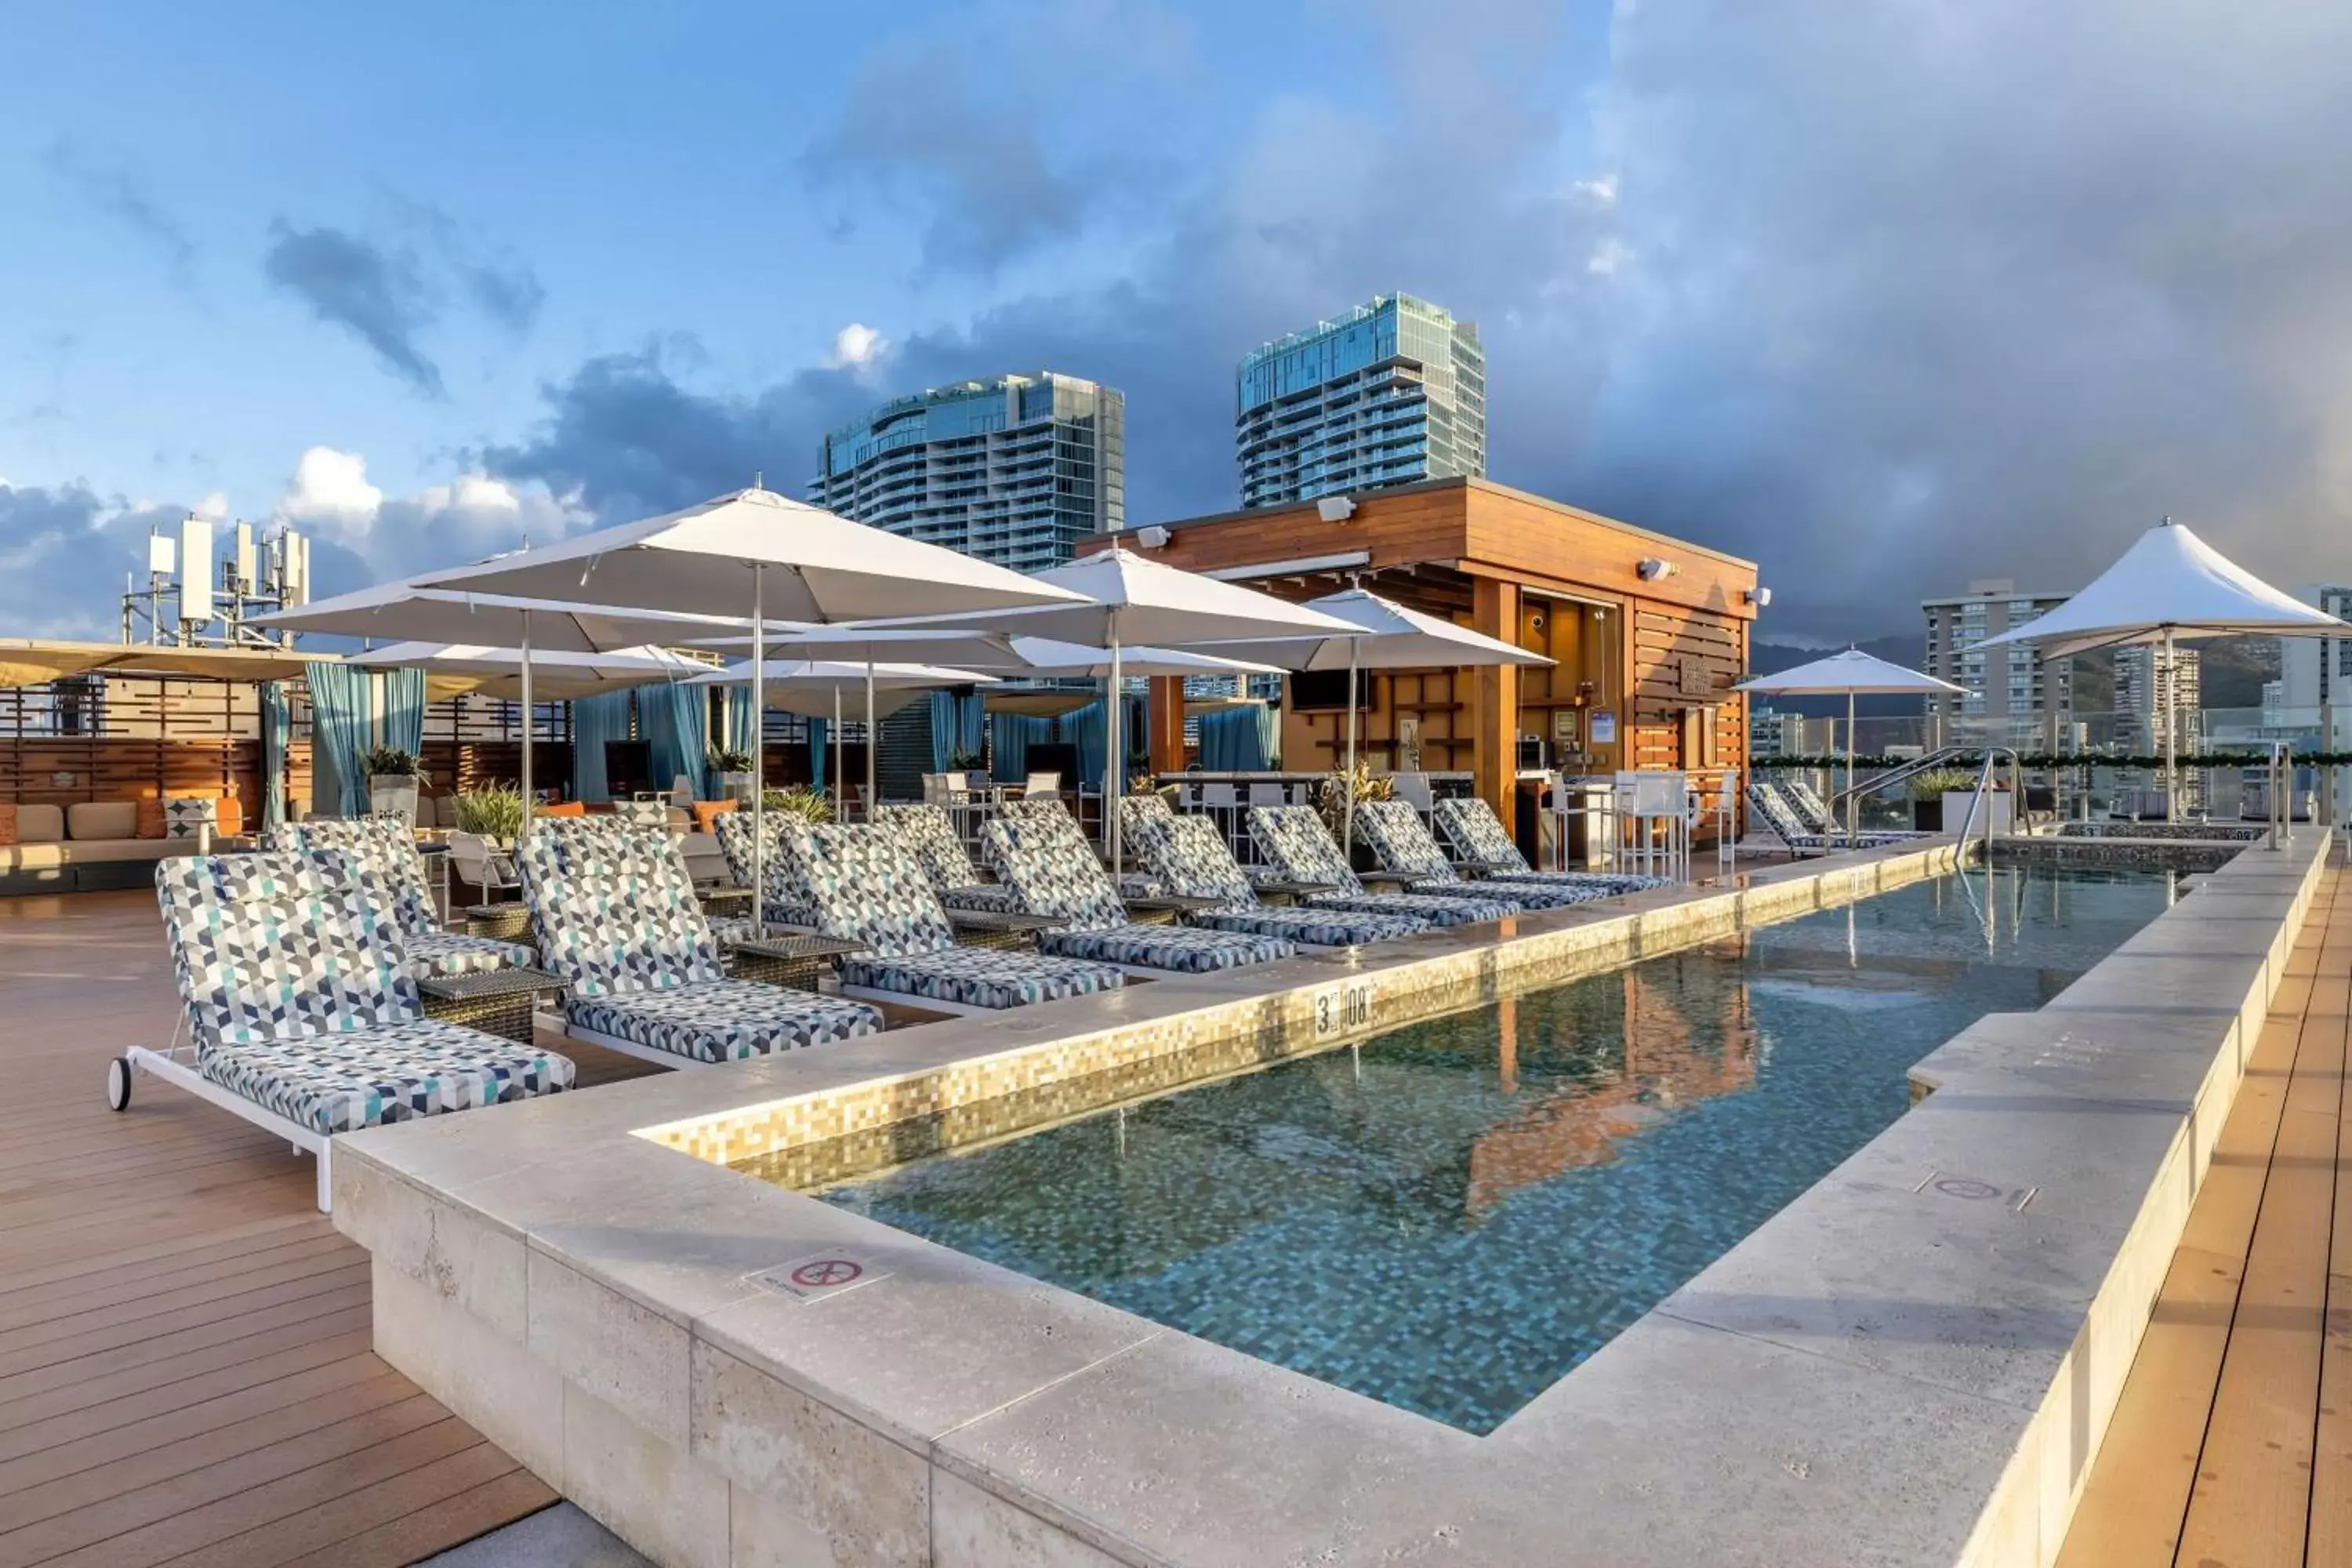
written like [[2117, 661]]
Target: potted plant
[[492, 811], [961, 761], [394, 778], [809, 805], [1928, 792], [1331, 801], [734, 771]]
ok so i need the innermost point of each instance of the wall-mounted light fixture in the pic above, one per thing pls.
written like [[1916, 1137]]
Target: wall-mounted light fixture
[[1759, 597], [1336, 509], [1652, 569], [1152, 537]]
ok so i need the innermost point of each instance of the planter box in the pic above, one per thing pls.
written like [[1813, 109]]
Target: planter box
[[1998, 816], [393, 792], [1927, 816], [736, 787]]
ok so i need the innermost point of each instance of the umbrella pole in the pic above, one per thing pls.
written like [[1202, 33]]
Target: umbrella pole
[[1853, 801], [759, 755], [1115, 767], [873, 794], [1348, 811], [840, 763], [524, 831]]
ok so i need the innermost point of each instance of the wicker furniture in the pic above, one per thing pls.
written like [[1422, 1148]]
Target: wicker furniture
[[498, 1002], [510, 921], [1008, 930], [798, 962]]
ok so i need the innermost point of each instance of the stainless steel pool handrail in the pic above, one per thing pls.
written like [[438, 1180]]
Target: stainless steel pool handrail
[[1979, 798]]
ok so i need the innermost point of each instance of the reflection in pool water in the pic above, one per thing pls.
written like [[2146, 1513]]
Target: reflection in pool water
[[1450, 1217]]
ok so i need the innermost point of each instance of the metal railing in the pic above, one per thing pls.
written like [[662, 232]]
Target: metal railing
[[1980, 798]]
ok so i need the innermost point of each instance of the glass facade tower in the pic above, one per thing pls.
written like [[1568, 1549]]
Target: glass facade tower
[[1392, 392], [1014, 471]]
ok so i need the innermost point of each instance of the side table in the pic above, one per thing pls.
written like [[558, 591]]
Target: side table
[[496, 1001]]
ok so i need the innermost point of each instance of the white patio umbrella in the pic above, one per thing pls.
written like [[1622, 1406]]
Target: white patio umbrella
[[409, 609], [1849, 674], [1129, 598], [1394, 637], [758, 554], [558, 675], [2169, 587], [814, 687]]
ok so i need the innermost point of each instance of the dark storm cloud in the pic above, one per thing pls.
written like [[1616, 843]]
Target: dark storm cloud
[[378, 295], [110, 184], [1885, 298], [64, 550]]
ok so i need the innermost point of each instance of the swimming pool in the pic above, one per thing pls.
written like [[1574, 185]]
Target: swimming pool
[[1449, 1217]]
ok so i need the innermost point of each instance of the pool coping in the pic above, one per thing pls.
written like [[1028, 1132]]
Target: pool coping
[[589, 1299]]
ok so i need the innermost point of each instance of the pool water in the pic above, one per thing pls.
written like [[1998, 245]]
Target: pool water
[[1452, 1216]]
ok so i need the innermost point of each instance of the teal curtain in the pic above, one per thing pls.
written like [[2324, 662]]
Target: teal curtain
[[340, 721], [403, 711], [1236, 740], [1014, 732], [739, 719], [594, 720], [817, 735], [943, 728], [1084, 728], [677, 722], [275, 720], [972, 722], [959, 721]]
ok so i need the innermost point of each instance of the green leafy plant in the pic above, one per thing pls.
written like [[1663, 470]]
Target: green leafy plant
[[1331, 795], [494, 811], [391, 762], [809, 805], [722, 760], [962, 762], [1937, 782]]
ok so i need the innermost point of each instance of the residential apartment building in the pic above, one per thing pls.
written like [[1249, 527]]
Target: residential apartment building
[[1392, 392], [1772, 734], [2013, 698], [2148, 682], [1014, 471], [2316, 672]]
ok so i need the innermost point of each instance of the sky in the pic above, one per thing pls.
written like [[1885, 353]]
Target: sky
[[1887, 296]]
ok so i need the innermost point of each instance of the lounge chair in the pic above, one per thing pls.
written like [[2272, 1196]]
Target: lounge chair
[[1816, 817], [302, 1010], [1038, 850], [1293, 841], [616, 919], [783, 868], [925, 832], [386, 846], [1400, 841], [1781, 818], [1477, 834], [870, 891], [1191, 858]]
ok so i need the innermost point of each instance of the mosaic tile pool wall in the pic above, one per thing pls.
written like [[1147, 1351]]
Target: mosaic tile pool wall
[[1450, 1216]]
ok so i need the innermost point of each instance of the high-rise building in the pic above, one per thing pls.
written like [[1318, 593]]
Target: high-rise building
[[2147, 683], [1772, 734], [2316, 672], [1392, 392], [2012, 696], [1014, 471]]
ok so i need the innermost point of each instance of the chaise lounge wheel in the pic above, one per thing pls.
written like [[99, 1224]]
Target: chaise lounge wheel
[[118, 1084]]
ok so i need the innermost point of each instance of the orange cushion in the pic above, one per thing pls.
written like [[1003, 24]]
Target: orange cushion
[[569, 808], [151, 819], [707, 812], [231, 815], [8, 822]]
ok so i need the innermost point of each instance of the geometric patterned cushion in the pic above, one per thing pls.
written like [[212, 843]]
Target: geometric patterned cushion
[[1478, 833], [1293, 841], [867, 890], [615, 912], [724, 1020], [1440, 909], [1048, 864], [1810, 809], [282, 947], [1187, 855], [1402, 843], [784, 863], [395, 1073], [384, 842], [444, 952], [1185, 949], [1317, 925], [925, 832], [991, 978]]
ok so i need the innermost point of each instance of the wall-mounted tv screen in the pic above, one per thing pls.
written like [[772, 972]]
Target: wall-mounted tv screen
[[1326, 690]]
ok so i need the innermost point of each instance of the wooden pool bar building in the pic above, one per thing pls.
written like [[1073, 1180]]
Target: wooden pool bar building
[[1650, 633]]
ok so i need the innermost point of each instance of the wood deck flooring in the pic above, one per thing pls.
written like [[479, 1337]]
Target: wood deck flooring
[[185, 1376], [2232, 1447]]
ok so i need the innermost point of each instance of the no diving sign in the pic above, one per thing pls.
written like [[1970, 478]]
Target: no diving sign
[[815, 1277]]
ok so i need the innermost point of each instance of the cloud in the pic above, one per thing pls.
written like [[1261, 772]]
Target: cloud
[[112, 186], [377, 294], [64, 554], [971, 123], [856, 347], [508, 293], [330, 498]]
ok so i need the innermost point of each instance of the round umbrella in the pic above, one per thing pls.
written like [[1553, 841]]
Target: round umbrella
[[2171, 587], [1852, 673]]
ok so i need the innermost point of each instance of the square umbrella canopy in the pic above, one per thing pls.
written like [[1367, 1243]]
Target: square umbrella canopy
[[1850, 674], [811, 687], [756, 553], [452, 670], [2171, 587]]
